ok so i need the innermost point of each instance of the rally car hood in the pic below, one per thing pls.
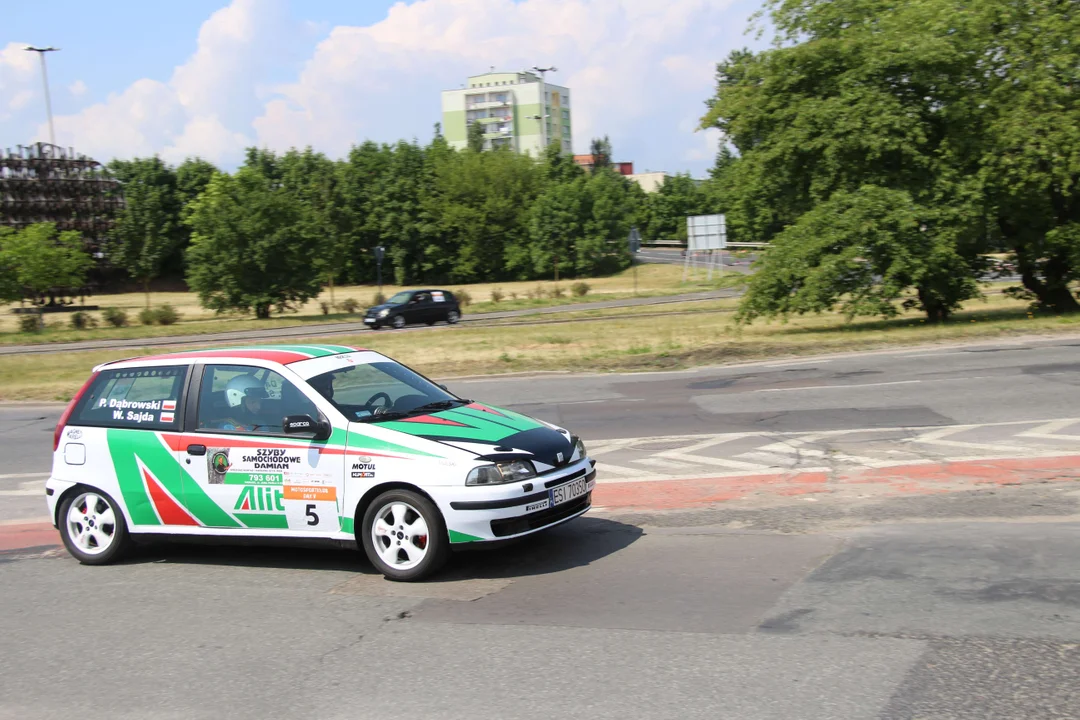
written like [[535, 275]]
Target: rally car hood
[[492, 433]]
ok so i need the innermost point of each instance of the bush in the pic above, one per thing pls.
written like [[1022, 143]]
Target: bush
[[166, 315], [463, 297], [81, 320], [147, 316], [557, 292], [497, 295], [325, 306], [114, 316], [379, 299], [350, 305], [537, 293], [580, 289], [513, 296], [31, 323]]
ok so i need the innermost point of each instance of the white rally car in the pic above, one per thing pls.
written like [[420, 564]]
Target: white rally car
[[304, 441]]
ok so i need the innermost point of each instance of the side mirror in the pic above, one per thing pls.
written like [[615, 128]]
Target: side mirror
[[306, 425], [443, 387]]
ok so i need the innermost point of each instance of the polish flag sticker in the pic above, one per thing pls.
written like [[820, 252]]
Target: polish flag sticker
[[167, 417], [168, 405]]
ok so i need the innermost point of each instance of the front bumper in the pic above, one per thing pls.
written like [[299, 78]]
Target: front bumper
[[502, 512]]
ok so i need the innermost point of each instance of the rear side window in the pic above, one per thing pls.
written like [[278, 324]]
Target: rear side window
[[442, 296], [147, 398]]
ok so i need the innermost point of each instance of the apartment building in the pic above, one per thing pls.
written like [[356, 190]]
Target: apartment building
[[519, 110]]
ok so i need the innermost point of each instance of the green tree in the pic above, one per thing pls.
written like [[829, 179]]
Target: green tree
[[666, 209], [859, 253], [248, 247], [600, 149], [475, 137], [313, 180], [149, 229], [37, 261], [858, 95]]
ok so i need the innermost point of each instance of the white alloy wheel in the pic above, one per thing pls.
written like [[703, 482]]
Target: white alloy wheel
[[91, 523], [452, 317], [400, 535], [398, 322]]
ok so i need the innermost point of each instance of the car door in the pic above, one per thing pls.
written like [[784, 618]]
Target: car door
[[243, 470], [441, 303], [420, 307]]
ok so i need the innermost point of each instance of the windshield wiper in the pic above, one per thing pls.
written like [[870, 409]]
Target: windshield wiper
[[438, 405]]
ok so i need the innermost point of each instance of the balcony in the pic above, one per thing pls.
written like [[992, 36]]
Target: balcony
[[487, 104]]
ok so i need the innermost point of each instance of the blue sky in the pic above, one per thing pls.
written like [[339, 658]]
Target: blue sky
[[206, 77]]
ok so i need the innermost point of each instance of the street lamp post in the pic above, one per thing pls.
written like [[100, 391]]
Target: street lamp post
[[45, 81]]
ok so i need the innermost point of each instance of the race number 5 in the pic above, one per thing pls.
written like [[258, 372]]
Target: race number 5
[[311, 507]]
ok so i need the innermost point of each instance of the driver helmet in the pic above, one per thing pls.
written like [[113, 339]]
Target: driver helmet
[[241, 386]]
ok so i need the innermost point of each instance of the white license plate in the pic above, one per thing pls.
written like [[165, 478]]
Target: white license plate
[[569, 491], [369, 320]]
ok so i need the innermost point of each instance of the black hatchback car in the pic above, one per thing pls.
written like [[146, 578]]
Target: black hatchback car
[[410, 307]]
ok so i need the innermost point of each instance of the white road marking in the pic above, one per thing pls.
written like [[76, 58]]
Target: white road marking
[[840, 387], [1050, 430], [797, 362], [20, 476], [26, 489]]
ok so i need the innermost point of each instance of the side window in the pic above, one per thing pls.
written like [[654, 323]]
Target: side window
[[248, 399], [134, 398], [422, 298], [440, 296]]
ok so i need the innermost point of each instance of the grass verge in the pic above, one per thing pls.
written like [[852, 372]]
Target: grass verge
[[648, 340], [653, 281]]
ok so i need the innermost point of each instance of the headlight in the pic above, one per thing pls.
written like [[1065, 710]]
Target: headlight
[[384, 312], [501, 473], [579, 450]]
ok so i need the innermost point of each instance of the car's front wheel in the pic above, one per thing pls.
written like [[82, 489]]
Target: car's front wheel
[[404, 536], [92, 527], [398, 322]]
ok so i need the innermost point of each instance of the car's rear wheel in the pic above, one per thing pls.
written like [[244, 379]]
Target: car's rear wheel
[[398, 322], [92, 527], [453, 316], [404, 536]]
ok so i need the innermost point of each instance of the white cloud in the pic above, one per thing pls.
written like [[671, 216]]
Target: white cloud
[[77, 88], [215, 90], [19, 83], [635, 67], [639, 71]]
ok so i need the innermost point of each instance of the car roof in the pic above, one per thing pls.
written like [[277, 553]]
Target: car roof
[[281, 354]]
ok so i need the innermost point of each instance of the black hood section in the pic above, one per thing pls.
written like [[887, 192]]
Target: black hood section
[[544, 443]]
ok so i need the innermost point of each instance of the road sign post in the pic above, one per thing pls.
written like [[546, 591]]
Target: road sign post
[[634, 243], [380, 251]]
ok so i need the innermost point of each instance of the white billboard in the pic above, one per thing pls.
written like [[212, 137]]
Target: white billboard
[[705, 232]]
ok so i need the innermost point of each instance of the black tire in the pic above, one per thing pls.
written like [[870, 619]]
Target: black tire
[[120, 538], [453, 317], [375, 326], [398, 322], [437, 543]]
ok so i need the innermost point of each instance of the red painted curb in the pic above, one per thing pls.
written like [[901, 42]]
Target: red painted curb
[[28, 535], [922, 479]]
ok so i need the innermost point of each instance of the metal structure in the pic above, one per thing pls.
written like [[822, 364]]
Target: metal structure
[[705, 235], [45, 82], [46, 183]]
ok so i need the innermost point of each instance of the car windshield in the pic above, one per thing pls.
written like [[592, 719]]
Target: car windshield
[[373, 392], [401, 297]]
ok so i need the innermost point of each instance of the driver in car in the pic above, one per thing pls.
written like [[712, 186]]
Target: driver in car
[[244, 395]]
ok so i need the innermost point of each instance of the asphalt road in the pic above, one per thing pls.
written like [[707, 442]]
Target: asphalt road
[[956, 606]]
